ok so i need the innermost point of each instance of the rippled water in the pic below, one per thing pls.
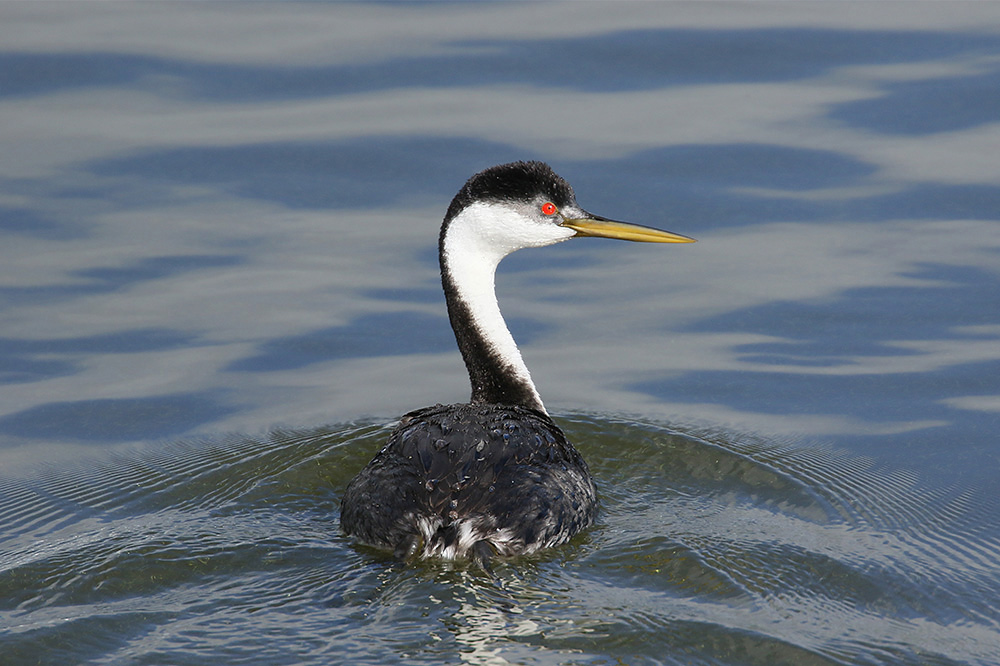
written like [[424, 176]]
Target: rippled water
[[707, 550], [218, 226]]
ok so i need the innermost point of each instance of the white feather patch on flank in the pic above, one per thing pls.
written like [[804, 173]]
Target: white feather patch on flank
[[470, 531]]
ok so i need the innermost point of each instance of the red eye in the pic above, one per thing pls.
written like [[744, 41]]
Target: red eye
[[549, 208]]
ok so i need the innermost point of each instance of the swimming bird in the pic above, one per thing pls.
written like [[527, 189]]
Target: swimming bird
[[495, 476]]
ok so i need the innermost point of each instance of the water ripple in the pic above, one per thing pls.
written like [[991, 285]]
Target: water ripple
[[711, 548]]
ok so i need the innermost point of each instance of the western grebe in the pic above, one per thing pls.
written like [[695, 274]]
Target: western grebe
[[496, 476]]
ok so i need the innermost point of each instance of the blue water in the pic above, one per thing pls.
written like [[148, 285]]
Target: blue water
[[219, 288]]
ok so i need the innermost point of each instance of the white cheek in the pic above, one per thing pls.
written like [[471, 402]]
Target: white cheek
[[496, 230]]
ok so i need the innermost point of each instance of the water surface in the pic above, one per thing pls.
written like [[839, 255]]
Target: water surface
[[706, 549], [219, 288]]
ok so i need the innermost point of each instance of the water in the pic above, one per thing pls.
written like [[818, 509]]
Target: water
[[707, 551], [219, 288]]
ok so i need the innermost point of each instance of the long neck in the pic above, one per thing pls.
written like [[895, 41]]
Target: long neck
[[496, 370]]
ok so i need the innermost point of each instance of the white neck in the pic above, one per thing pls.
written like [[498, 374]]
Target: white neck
[[475, 242]]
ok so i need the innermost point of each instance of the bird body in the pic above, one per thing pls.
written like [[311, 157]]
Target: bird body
[[478, 480], [496, 476]]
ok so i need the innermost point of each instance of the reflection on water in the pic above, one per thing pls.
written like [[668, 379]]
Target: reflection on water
[[709, 547], [220, 221]]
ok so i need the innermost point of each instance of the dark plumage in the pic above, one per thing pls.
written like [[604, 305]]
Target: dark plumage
[[511, 183], [452, 474], [495, 476]]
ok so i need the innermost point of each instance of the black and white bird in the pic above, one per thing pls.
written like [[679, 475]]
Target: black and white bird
[[496, 476]]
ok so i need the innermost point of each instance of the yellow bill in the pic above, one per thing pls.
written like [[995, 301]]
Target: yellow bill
[[602, 228]]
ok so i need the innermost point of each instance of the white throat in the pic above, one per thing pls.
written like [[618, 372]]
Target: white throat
[[475, 242]]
